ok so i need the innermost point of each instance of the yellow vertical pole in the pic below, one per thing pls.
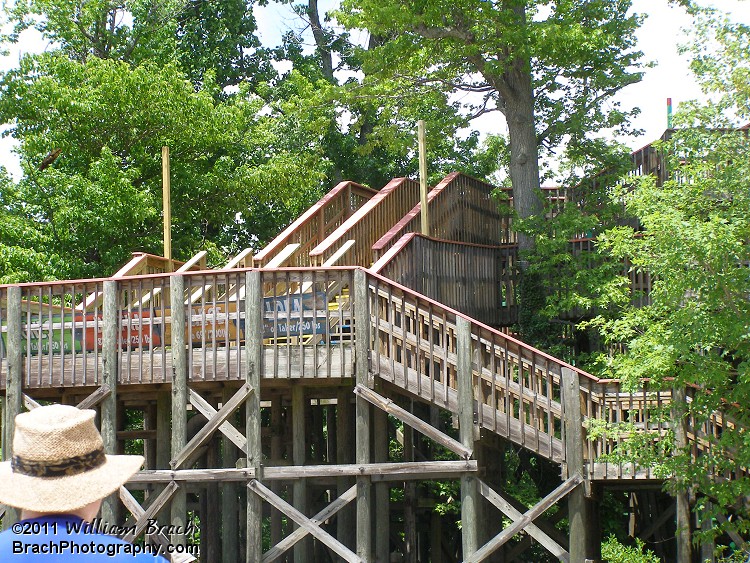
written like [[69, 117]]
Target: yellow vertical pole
[[167, 204], [425, 219]]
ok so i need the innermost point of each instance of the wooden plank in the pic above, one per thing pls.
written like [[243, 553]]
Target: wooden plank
[[96, 397], [537, 510], [281, 258], [253, 369], [226, 427], [321, 535], [192, 475], [179, 396], [137, 511], [393, 471], [205, 433], [299, 458], [283, 546], [468, 434], [340, 253], [150, 513], [362, 427], [532, 529], [110, 357], [415, 422], [29, 403]]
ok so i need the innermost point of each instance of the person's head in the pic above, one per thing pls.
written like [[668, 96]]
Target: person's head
[[59, 466]]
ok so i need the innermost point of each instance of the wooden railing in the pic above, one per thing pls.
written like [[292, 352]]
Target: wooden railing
[[308, 329], [478, 280], [368, 223], [316, 224], [461, 208]]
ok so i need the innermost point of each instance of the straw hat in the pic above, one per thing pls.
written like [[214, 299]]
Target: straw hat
[[58, 462]]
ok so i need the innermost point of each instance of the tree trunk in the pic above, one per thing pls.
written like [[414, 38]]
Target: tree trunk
[[524, 152]]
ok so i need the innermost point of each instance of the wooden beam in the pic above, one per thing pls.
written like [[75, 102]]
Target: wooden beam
[[468, 431], [537, 510], [321, 535], [137, 511], [339, 254], [362, 446], [29, 403], [226, 428], [280, 259], [13, 382], [579, 511], [532, 529], [179, 396], [192, 475], [110, 357], [150, 513], [254, 368], [204, 434], [379, 471], [415, 422], [299, 457], [280, 548], [96, 397]]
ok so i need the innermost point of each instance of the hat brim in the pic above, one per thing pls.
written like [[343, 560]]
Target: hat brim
[[71, 492]]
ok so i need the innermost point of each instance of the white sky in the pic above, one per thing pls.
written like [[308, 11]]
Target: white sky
[[658, 39]]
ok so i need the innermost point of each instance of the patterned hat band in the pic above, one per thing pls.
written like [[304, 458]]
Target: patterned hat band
[[65, 467]]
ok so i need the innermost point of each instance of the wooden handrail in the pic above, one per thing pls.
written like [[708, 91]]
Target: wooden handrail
[[369, 220], [313, 225]]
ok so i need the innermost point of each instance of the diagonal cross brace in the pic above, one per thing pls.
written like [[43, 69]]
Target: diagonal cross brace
[[532, 529], [226, 428], [280, 548], [280, 504], [142, 519], [537, 510], [205, 433], [415, 422], [136, 510]]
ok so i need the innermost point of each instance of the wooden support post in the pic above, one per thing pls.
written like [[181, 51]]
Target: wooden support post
[[254, 362], [179, 397], [211, 518], [299, 457], [14, 382], [410, 501], [344, 448], [277, 452], [110, 353], [684, 532], [468, 434], [382, 490], [424, 211], [582, 524], [361, 353], [229, 515]]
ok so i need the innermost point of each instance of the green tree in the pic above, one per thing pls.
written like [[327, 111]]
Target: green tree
[[694, 245], [100, 200], [546, 66]]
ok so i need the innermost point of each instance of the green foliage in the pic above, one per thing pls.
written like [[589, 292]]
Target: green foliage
[[615, 552], [692, 241]]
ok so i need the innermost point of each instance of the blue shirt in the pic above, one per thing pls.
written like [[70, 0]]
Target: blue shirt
[[59, 538]]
